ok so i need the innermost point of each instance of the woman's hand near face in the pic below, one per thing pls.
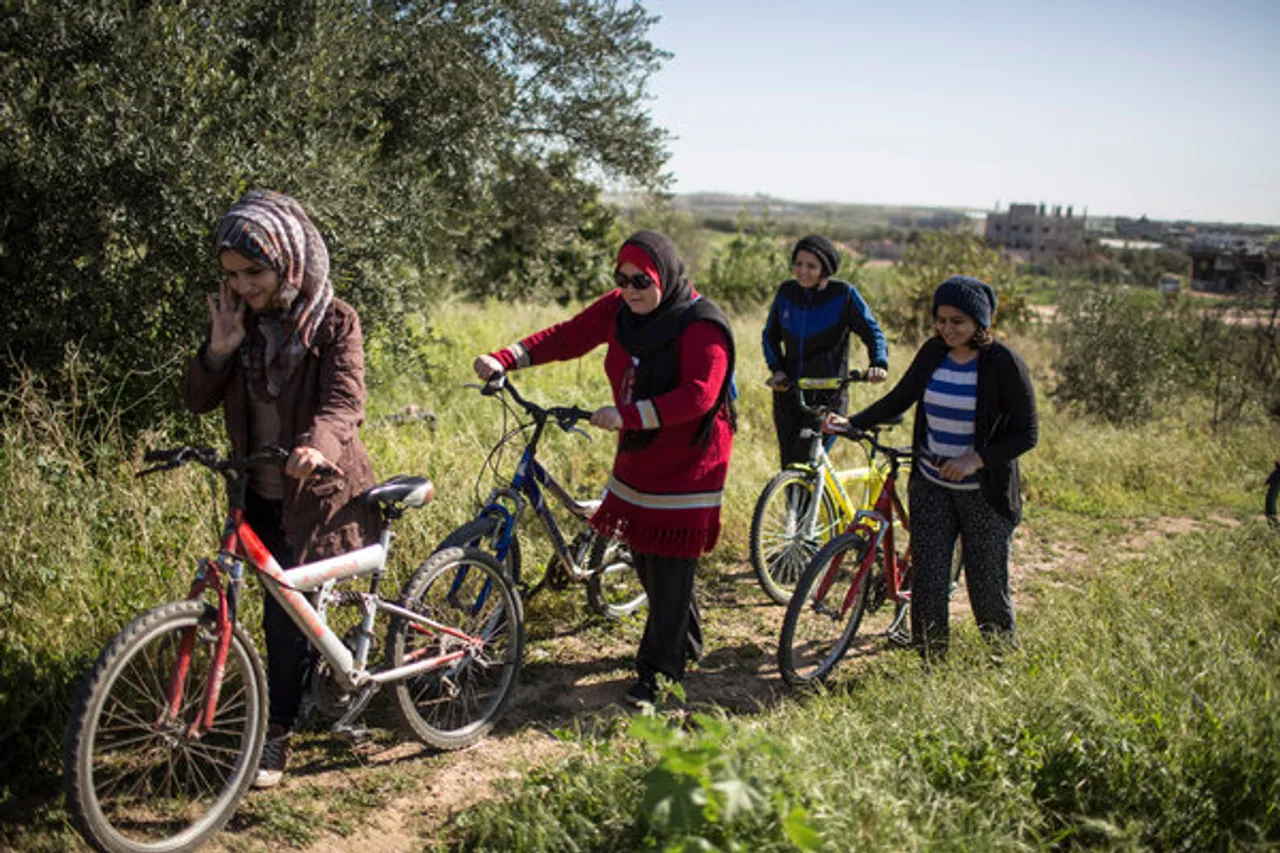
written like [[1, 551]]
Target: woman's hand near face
[[961, 466], [608, 418], [226, 317], [304, 461], [486, 367]]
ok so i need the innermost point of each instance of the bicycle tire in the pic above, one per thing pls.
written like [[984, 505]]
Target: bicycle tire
[[483, 533], [614, 589], [778, 553], [815, 634], [1273, 494], [455, 705], [136, 782]]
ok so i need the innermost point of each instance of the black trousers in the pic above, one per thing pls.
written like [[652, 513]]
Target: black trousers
[[789, 419], [289, 655], [673, 629], [940, 516]]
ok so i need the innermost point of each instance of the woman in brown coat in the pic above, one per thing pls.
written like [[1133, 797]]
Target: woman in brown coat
[[285, 360]]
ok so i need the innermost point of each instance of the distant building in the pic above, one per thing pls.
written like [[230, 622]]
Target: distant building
[[1139, 229], [1038, 233], [1226, 262]]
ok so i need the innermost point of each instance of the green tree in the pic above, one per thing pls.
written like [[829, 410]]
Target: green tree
[[932, 258], [420, 135], [748, 269]]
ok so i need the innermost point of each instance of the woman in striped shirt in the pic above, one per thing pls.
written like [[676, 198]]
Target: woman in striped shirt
[[975, 415]]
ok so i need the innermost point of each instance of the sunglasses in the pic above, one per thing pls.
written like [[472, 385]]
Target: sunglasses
[[639, 281]]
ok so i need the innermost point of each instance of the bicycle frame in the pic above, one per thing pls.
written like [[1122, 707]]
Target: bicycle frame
[[241, 545], [525, 490], [827, 480], [877, 526]]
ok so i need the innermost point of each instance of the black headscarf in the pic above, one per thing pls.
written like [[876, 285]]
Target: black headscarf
[[650, 338]]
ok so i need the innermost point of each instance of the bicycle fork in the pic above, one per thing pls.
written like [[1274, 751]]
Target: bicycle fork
[[206, 577]]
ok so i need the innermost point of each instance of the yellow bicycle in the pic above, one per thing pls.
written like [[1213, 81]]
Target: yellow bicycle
[[805, 504]]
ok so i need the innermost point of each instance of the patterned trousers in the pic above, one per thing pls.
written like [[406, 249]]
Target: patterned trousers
[[938, 517]]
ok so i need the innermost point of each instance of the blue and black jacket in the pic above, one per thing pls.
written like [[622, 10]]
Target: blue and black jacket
[[807, 333]]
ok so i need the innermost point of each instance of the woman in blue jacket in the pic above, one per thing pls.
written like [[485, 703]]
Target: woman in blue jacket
[[807, 336]]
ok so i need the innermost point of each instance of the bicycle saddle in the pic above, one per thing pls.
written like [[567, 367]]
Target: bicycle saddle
[[402, 489]]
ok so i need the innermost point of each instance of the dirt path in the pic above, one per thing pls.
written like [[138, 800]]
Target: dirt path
[[573, 678]]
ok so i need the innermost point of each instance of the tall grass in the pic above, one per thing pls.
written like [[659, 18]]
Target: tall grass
[[1141, 713], [85, 547]]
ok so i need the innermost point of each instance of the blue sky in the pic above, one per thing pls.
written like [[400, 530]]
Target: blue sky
[[1171, 109]]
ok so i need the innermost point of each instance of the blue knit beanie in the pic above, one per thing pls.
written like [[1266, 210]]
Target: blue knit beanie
[[973, 297], [823, 249]]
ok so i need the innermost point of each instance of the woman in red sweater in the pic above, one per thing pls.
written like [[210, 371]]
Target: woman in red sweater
[[670, 364]]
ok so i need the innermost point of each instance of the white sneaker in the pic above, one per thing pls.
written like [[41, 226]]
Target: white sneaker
[[275, 755]]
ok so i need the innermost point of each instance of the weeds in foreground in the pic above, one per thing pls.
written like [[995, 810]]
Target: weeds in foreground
[[1140, 714]]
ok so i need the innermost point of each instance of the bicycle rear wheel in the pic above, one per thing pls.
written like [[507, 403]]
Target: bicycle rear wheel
[[457, 703], [138, 779], [614, 589], [780, 548]]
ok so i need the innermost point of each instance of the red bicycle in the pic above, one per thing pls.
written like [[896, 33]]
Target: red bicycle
[[169, 725], [859, 579]]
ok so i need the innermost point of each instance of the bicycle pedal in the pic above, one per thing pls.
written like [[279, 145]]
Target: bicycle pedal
[[351, 734]]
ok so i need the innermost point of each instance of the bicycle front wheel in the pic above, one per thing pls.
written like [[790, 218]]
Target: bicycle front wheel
[[141, 778], [782, 540], [614, 589], [825, 611], [456, 703]]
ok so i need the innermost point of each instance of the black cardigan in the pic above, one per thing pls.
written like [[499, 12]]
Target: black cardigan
[[1005, 422]]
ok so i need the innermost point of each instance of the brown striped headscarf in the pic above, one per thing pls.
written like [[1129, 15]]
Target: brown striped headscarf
[[272, 229]]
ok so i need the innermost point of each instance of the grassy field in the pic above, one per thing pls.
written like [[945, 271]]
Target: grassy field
[[1141, 713]]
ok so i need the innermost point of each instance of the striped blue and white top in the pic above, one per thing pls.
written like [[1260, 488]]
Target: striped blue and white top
[[950, 399]]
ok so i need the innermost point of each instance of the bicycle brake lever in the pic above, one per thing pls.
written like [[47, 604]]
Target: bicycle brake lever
[[580, 431]]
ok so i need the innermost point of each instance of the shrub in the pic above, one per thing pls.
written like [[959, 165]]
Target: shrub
[[1122, 357], [935, 256]]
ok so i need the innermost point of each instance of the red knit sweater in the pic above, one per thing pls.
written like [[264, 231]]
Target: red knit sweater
[[662, 499]]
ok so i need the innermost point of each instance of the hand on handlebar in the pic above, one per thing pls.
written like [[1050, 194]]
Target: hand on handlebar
[[607, 418], [778, 381], [487, 367], [835, 424], [305, 462], [875, 374]]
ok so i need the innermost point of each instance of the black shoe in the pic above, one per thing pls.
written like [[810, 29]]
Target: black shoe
[[640, 693]]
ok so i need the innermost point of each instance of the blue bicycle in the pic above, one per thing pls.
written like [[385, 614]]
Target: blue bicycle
[[603, 565]]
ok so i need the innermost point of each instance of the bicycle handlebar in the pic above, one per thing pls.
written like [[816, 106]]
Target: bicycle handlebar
[[835, 384], [566, 417], [830, 383], [176, 457], [872, 436]]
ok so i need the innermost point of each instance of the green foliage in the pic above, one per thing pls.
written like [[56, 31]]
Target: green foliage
[[748, 269], [697, 785], [1129, 356], [931, 259], [418, 135], [1239, 365], [1122, 358]]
